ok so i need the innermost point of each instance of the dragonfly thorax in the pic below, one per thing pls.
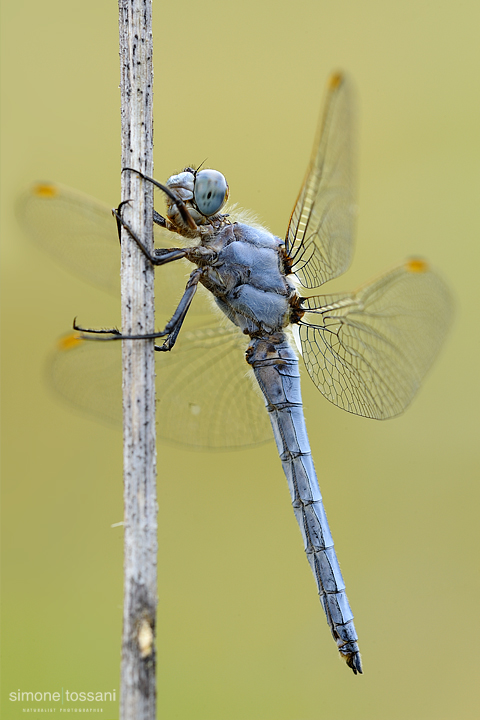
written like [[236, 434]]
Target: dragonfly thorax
[[248, 280]]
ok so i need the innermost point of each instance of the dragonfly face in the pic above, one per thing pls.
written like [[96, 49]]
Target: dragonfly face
[[204, 193]]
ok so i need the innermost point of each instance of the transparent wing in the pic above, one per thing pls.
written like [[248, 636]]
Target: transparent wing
[[320, 233], [80, 233], [368, 351], [206, 396]]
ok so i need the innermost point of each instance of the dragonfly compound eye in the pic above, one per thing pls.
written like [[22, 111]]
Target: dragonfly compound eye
[[211, 191]]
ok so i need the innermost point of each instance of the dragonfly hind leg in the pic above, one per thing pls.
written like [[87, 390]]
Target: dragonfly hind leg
[[175, 323], [171, 329], [96, 331]]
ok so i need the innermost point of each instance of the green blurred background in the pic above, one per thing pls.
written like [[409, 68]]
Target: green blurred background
[[241, 633]]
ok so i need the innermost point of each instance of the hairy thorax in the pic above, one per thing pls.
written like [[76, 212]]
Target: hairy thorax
[[245, 268]]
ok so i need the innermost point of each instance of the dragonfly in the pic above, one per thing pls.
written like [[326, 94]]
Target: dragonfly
[[367, 351]]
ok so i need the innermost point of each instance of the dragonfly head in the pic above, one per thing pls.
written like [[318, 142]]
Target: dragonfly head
[[204, 192]]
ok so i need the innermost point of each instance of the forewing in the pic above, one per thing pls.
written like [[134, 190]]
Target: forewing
[[79, 232], [368, 351], [206, 396], [320, 233]]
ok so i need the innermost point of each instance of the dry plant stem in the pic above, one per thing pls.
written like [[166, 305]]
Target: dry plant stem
[[137, 697]]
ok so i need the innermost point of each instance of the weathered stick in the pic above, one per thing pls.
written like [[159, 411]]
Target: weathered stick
[[137, 697]]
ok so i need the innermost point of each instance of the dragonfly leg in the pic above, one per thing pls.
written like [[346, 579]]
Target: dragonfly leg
[[171, 329], [159, 219], [95, 331], [160, 256], [175, 323], [118, 219]]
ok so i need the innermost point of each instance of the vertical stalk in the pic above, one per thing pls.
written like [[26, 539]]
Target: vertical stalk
[[137, 697]]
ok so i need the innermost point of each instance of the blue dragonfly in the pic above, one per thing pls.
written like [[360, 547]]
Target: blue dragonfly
[[367, 351]]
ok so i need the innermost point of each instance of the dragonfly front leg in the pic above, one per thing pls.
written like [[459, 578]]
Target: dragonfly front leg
[[182, 208], [171, 329]]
